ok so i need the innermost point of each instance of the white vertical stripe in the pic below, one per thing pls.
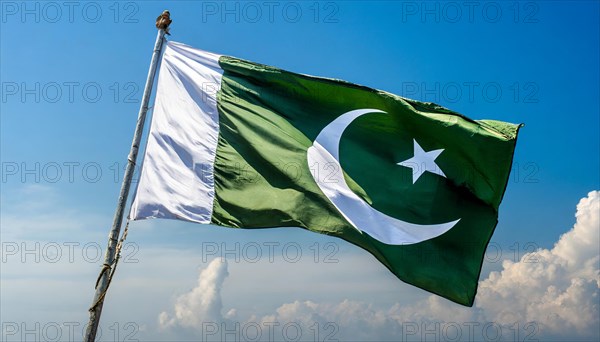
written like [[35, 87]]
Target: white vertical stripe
[[177, 178]]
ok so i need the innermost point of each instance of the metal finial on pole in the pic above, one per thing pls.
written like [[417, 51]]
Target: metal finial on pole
[[111, 255]]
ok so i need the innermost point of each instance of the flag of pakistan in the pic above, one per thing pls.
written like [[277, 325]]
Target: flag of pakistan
[[239, 144]]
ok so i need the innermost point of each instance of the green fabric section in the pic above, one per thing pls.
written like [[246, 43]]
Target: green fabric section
[[270, 117]]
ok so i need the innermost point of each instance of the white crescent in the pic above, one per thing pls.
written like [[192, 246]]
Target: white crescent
[[323, 161]]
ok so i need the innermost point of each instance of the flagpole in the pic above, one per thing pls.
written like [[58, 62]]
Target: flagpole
[[113, 237]]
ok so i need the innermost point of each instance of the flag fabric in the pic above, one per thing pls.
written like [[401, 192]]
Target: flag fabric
[[239, 144]]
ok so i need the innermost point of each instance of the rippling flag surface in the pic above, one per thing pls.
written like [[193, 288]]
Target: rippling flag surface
[[238, 144]]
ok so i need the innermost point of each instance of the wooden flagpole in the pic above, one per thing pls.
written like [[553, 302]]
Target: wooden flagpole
[[111, 254]]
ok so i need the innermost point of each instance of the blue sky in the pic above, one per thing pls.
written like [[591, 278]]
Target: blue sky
[[72, 76]]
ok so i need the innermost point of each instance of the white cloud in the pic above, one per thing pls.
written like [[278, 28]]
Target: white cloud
[[202, 303], [551, 293], [559, 287]]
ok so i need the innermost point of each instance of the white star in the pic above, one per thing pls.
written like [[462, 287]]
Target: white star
[[423, 161]]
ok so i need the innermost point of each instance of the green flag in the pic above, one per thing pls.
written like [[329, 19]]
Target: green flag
[[239, 144]]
